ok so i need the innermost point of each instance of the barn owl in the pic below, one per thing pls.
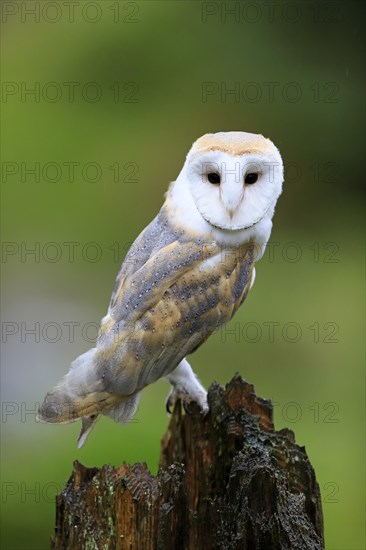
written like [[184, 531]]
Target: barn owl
[[185, 276]]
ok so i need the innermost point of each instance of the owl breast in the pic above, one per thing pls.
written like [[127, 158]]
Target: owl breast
[[197, 303]]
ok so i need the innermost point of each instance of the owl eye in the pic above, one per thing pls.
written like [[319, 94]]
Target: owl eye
[[251, 178], [214, 178]]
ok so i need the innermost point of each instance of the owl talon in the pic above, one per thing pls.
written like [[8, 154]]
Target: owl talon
[[187, 406], [168, 405], [193, 407], [175, 395], [191, 404]]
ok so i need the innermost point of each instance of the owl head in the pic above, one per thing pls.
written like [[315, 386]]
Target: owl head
[[235, 178], [229, 186]]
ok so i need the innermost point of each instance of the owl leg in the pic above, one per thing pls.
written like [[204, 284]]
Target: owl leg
[[185, 387]]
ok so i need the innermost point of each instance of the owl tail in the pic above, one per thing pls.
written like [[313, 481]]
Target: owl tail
[[79, 394], [122, 412]]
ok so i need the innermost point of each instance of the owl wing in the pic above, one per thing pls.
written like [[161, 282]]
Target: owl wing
[[183, 290], [154, 237]]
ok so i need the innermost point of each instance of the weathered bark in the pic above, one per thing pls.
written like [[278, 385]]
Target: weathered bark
[[227, 480]]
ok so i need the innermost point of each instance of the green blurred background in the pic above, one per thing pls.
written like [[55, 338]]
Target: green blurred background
[[160, 57]]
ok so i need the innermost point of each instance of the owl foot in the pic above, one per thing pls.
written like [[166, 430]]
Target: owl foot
[[176, 393], [187, 388], [189, 402]]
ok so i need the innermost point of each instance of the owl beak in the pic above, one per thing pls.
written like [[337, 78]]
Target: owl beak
[[232, 199]]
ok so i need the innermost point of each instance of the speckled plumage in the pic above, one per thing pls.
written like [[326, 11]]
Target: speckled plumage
[[181, 280], [165, 308]]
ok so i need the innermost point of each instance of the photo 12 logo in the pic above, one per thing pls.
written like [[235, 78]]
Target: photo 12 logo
[[70, 12], [270, 92], [271, 12], [69, 91], [69, 171]]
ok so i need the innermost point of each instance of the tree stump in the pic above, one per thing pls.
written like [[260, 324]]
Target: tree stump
[[226, 480]]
